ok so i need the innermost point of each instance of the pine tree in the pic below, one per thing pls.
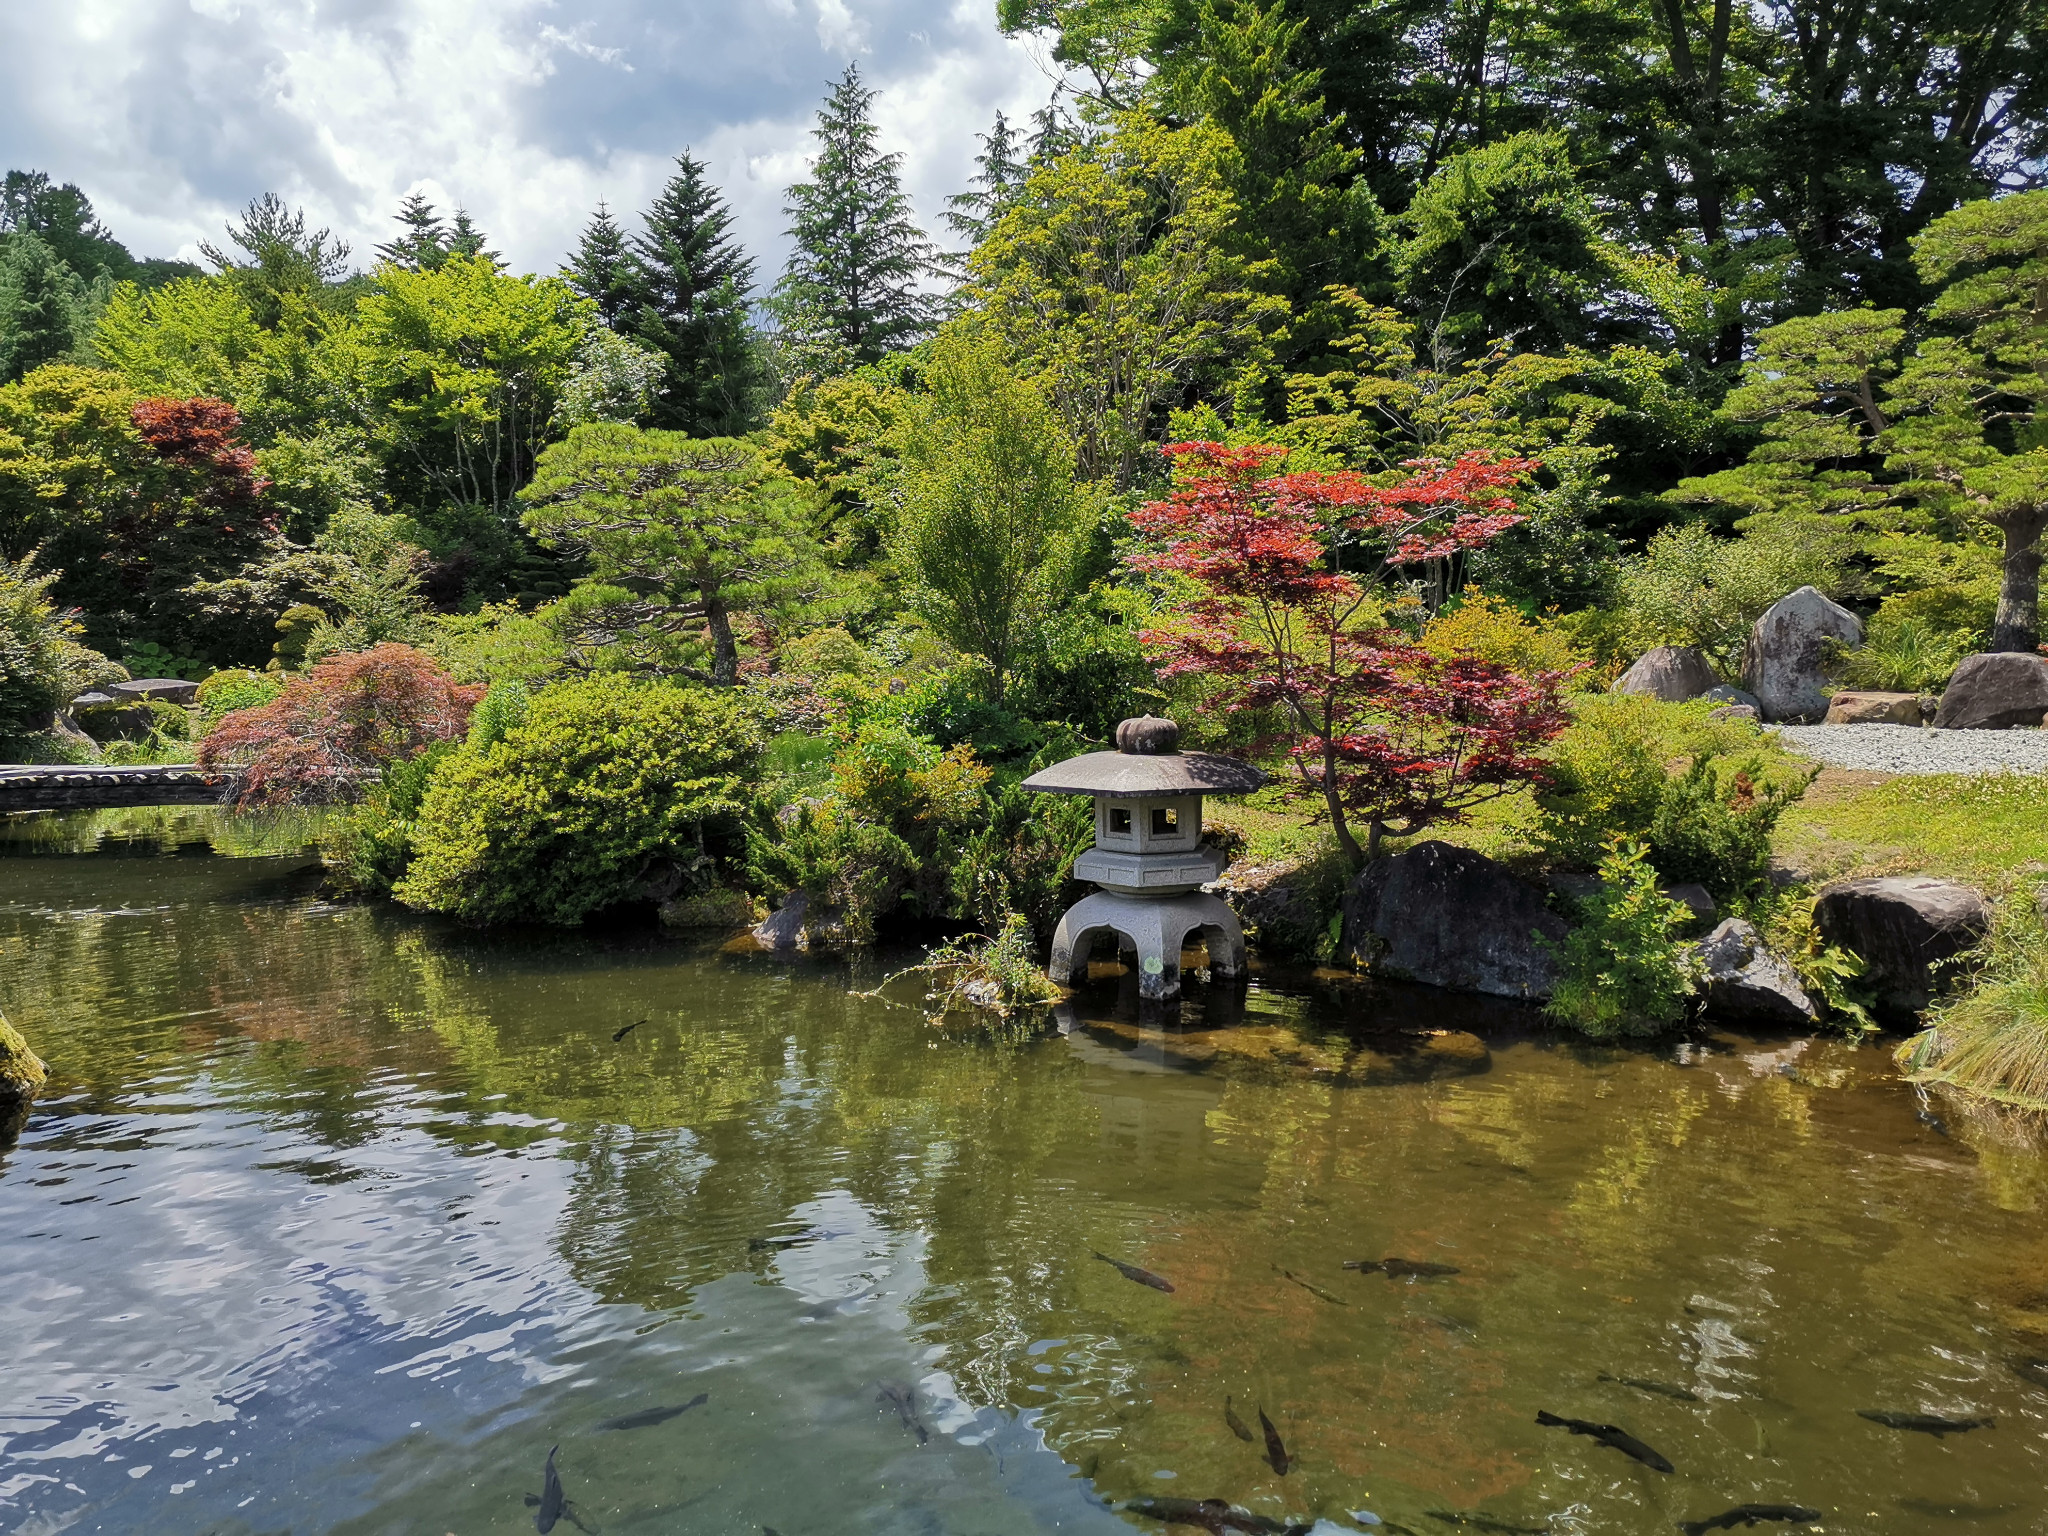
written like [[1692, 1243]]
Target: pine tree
[[424, 245], [39, 299], [851, 291], [602, 269], [999, 173], [465, 239], [691, 281]]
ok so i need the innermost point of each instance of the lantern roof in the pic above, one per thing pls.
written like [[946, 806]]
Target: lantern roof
[[1148, 763]]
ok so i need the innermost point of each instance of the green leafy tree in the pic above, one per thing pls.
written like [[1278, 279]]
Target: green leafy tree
[[43, 665], [39, 306], [690, 282], [988, 503], [1112, 280], [680, 535], [573, 808], [602, 271], [853, 290]]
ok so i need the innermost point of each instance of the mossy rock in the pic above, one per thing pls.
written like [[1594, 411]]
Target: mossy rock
[[22, 1074]]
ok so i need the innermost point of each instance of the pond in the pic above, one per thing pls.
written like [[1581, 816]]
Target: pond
[[334, 1221]]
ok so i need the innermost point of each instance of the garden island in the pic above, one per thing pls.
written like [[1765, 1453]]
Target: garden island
[[1325, 817]]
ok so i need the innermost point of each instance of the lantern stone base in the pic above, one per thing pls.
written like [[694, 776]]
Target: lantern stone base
[[1157, 927]]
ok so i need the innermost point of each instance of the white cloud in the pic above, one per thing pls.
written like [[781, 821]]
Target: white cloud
[[526, 112]]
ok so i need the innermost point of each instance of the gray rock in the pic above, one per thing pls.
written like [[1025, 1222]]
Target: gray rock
[[1871, 708], [1735, 712], [1995, 691], [92, 698], [169, 690], [1670, 672], [1782, 666], [1277, 907], [1903, 926], [784, 927], [1734, 698], [1452, 918], [1746, 983], [1696, 899]]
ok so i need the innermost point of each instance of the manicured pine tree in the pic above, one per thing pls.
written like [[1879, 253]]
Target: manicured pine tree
[[602, 269], [424, 245], [691, 280], [39, 297], [851, 292]]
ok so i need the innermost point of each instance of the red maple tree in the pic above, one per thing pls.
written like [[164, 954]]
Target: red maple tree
[[337, 727], [1379, 728]]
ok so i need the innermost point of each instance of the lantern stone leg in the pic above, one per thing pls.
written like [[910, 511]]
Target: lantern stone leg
[[1158, 928]]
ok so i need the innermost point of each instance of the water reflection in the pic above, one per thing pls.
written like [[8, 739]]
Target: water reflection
[[338, 1221]]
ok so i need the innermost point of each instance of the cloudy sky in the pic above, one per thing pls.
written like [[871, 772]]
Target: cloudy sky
[[172, 114]]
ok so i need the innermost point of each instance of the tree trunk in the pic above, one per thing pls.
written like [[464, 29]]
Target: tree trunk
[[2018, 627], [725, 655]]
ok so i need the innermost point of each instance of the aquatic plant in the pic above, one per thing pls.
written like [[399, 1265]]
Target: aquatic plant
[[999, 974]]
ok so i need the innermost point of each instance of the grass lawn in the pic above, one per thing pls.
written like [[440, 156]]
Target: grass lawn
[[1990, 830]]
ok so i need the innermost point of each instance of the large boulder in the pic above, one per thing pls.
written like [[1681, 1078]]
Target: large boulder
[[1869, 708], [1278, 907], [22, 1074], [784, 928], [1747, 984], [1453, 918], [1782, 666], [1994, 692], [1903, 926], [1672, 673]]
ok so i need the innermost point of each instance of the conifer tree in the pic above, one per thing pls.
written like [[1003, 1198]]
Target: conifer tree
[[421, 247], [851, 293], [690, 281], [999, 172], [39, 297], [465, 239], [602, 269]]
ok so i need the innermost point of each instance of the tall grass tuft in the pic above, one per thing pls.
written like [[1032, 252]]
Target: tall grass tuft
[[1992, 1041]]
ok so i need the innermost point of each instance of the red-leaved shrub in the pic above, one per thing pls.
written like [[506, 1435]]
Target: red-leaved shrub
[[336, 728]]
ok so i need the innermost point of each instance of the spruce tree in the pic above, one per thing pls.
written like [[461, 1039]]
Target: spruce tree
[[424, 245], [691, 281], [602, 269], [851, 293], [39, 299], [999, 172], [465, 239]]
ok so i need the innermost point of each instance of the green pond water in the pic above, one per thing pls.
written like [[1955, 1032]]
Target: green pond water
[[336, 1221]]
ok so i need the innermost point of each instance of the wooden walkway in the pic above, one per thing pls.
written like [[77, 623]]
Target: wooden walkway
[[65, 788]]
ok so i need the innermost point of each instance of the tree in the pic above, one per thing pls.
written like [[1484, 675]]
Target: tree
[[1112, 282], [999, 171], [281, 258], [680, 534], [987, 502], [39, 306], [690, 281], [602, 269], [424, 245], [465, 367], [852, 290], [42, 664], [466, 240], [1378, 727]]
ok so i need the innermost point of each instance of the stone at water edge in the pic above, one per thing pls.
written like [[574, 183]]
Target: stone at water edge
[[1746, 983], [1672, 673], [22, 1073], [1903, 926], [784, 928], [1859, 708], [1449, 917], [1995, 691], [1782, 666]]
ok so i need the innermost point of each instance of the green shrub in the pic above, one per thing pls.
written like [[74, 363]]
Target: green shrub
[[503, 706], [569, 810], [225, 692], [848, 868], [1624, 970], [1905, 654], [1021, 860], [1713, 825], [1691, 587], [42, 665], [368, 847]]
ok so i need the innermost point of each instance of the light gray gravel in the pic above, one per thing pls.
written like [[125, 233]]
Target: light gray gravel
[[1915, 749]]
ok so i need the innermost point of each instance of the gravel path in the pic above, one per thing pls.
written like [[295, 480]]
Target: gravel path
[[1915, 749]]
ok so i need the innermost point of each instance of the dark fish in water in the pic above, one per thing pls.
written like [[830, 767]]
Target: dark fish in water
[[1132, 1272], [1751, 1514], [1238, 1427], [1276, 1452], [1925, 1423], [647, 1418], [1313, 1290], [620, 1034], [903, 1398], [2035, 1371], [1932, 1121], [1608, 1435], [1213, 1515], [1394, 1269], [1486, 1523], [771, 1244], [1661, 1388], [553, 1504]]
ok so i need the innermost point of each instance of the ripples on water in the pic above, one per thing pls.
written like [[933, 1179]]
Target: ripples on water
[[334, 1221]]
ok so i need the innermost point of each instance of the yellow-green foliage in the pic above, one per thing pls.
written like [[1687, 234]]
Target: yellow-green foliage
[[1992, 1041], [1494, 629], [564, 813], [227, 691], [1968, 827], [1622, 968]]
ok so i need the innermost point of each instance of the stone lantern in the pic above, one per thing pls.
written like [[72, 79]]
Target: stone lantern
[[1148, 855]]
